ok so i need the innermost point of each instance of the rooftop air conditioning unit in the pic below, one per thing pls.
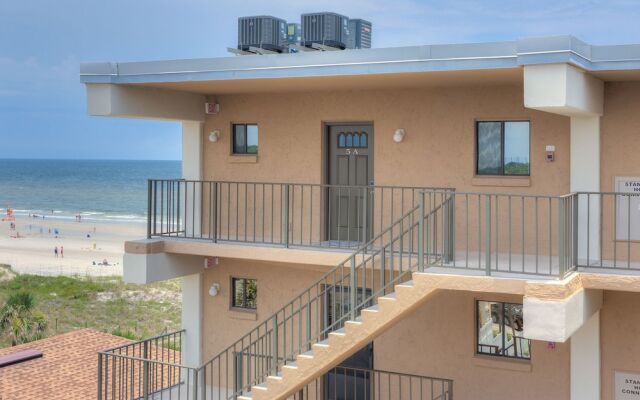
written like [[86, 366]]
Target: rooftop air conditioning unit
[[326, 29], [359, 34], [262, 32]]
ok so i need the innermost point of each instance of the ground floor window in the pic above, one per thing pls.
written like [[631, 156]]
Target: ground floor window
[[244, 293], [500, 328]]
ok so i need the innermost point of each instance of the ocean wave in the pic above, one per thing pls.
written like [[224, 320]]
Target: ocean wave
[[95, 216]]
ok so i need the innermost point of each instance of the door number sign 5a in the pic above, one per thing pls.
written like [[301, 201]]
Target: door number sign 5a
[[351, 151]]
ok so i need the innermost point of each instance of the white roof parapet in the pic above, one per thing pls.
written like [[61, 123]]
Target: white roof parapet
[[447, 57]]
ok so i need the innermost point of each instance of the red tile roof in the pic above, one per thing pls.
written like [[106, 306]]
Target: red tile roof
[[67, 369]]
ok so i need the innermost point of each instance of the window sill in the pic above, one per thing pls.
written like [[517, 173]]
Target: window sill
[[501, 363], [504, 181], [247, 315], [243, 158]]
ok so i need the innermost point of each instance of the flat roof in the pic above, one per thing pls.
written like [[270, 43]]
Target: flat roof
[[413, 59]]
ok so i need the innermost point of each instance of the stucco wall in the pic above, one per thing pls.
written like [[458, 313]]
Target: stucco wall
[[438, 149], [277, 285], [620, 132], [619, 333], [620, 150], [439, 341]]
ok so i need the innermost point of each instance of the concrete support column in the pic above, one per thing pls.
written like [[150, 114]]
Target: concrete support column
[[192, 172], [585, 177], [567, 90], [192, 284], [585, 361], [192, 316], [192, 150]]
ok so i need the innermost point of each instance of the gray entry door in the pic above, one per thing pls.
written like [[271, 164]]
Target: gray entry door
[[350, 172]]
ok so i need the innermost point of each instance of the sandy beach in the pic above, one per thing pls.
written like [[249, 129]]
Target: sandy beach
[[29, 248]]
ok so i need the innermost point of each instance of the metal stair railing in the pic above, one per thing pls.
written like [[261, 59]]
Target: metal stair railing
[[360, 383], [275, 214], [338, 296]]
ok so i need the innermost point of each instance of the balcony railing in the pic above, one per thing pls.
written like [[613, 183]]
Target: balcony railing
[[145, 369], [342, 383], [151, 369], [490, 232], [534, 234], [282, 214]]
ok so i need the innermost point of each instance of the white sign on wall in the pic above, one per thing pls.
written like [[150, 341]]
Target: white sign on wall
[[627, 386], [628, 208]]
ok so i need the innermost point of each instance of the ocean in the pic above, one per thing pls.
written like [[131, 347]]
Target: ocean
[[100, 190]]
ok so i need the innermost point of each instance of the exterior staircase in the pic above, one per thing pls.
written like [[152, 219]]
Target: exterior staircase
[[329, 321], [342, 343]]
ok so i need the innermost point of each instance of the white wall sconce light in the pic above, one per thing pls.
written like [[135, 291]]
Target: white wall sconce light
[[214, 289], [214, 136], [398, 135]]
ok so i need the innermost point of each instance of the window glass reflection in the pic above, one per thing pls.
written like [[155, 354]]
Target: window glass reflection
[[356, 140], [239, 139], [489, 148], [516, 148], [252, 139], [363, 140], [500, 329]]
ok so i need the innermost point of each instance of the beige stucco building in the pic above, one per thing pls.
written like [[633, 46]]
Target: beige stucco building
[[431, 222]]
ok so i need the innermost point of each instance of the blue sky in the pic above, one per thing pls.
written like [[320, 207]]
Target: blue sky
[[42, 104]]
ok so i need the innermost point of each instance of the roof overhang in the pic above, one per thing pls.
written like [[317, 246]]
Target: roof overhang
[[477, 62]]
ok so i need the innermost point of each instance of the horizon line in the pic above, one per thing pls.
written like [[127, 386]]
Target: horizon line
[[84, 159]]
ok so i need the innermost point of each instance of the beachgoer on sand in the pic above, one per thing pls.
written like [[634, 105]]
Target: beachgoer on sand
[[55, 251], [62, 251]]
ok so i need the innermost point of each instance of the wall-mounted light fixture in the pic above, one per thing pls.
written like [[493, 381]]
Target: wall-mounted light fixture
[[214, 289], [214, 136], [398, 135]]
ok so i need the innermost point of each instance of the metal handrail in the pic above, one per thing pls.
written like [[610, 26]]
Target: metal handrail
[[141, 341], [369, 272], [275, 213], [546, 235], [435, 232], [375, 384], [138, 369], [515, 233]]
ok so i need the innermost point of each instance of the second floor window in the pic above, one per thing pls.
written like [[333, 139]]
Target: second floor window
[[502, 148], [244, 293], [245, 139], [500, 327]]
